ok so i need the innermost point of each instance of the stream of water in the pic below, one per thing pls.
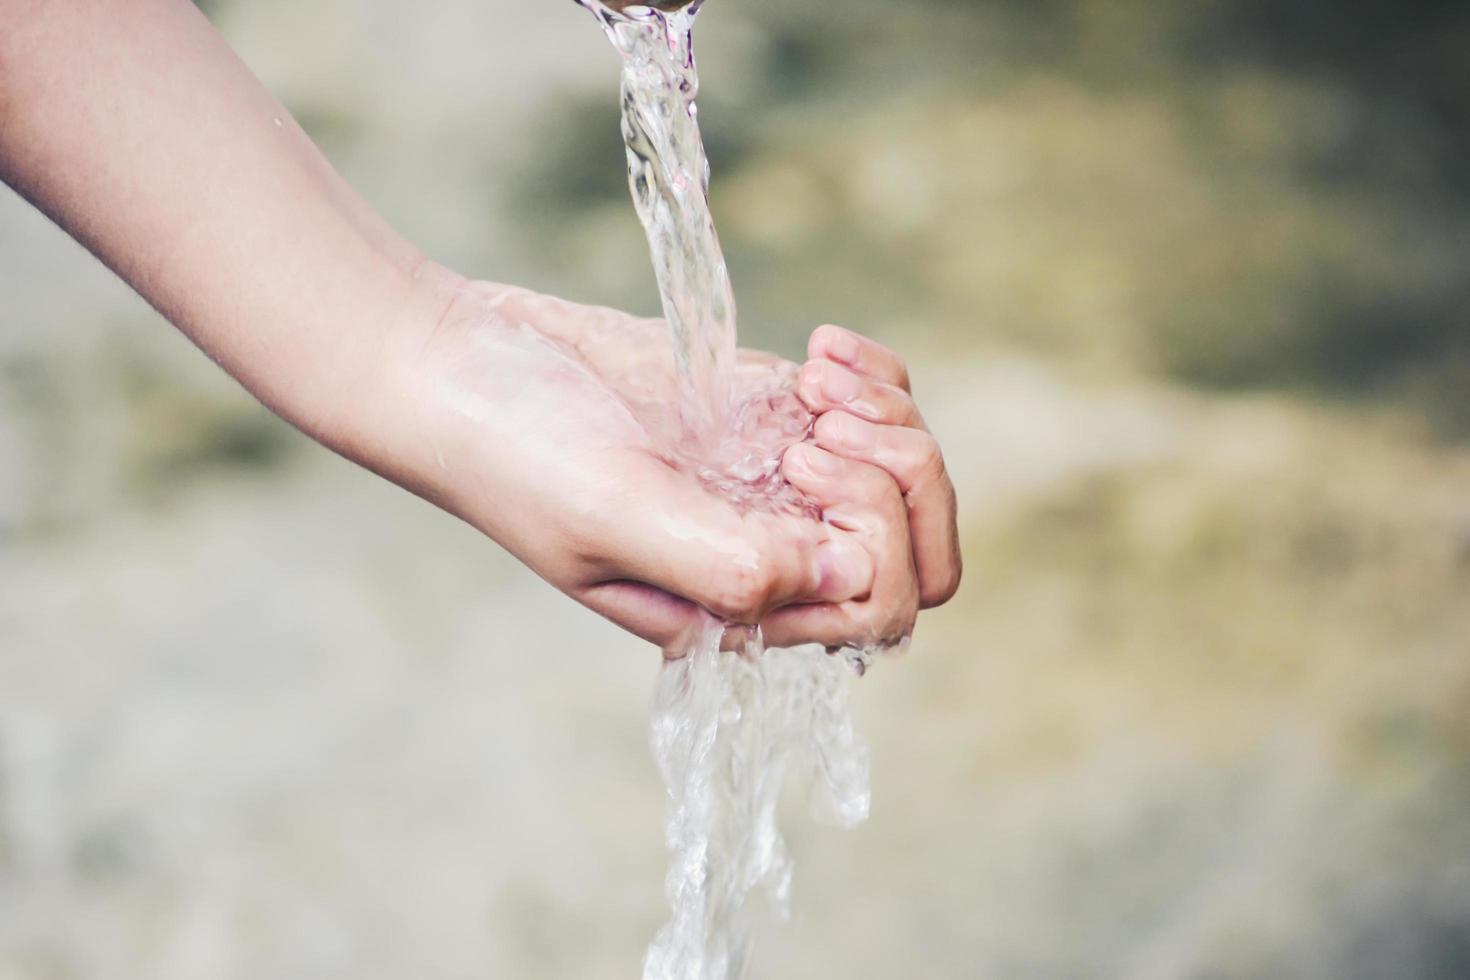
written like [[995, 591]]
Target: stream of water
[[729, 728]]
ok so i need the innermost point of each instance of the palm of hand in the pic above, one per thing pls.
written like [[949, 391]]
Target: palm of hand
[[562, 442]]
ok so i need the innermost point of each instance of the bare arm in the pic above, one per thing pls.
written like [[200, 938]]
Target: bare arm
[[136, 128]]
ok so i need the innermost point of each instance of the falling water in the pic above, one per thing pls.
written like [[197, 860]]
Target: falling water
[[728, 727], [669, 176], [727, 731]]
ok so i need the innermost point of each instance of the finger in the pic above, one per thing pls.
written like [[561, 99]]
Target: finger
[[863, 355], [665, 620], [863, 500], [737, 566], [834, 626], [824, 386], [675, 625], [913, 458]]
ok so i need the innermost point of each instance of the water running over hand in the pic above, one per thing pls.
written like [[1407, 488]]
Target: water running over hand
[[728, 727]]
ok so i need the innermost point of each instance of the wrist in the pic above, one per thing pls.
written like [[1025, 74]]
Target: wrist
[[372, 408]]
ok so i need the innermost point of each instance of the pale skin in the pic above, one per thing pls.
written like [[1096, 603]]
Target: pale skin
[[133, 126]]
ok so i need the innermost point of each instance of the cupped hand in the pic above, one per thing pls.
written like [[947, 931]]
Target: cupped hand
[[859, 390], [549, 426]]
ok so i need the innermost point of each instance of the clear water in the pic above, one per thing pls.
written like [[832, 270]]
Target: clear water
[[729, 728], [668, 173]]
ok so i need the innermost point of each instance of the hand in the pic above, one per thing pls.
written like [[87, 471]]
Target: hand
[[547, 425], [862, 499], [137, 130], [859, 391]]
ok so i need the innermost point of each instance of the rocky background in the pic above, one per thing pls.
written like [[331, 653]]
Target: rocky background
[[1185, 289]]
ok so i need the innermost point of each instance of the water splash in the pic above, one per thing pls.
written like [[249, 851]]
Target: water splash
[[729, 728]]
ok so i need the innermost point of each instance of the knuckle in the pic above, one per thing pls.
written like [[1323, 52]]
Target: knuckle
[[832, 341], [874, 486], [943, 588], [897, 368], [925, 458], [744, 593], [898, 626], [829, 428], [886, 623]]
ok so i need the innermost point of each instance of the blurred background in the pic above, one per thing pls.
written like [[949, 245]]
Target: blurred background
[[1186, 292]]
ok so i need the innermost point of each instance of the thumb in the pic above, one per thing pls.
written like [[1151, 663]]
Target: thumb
[[737, 566]]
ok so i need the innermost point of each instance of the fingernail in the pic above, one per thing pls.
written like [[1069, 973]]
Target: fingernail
[[844, 567], [854, 433], [841, 385], [819, 461], [842, 346]]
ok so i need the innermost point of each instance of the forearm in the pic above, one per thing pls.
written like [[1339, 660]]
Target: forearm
[[136, 128]]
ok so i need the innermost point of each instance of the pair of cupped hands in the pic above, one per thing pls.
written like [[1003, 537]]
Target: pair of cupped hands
[[137, 129], [540, 439]]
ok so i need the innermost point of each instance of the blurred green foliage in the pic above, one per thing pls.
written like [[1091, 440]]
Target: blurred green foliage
[[1237, 193]]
